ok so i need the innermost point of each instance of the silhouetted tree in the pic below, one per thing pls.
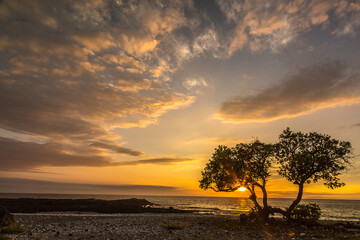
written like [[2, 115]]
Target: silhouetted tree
[[310, 157], [245, 165], [302, 159]]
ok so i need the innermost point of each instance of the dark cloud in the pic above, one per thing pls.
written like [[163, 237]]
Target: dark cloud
[[115, 148], [162, 161], [17, 155], [71, 72], [21, 185], [320, 86]]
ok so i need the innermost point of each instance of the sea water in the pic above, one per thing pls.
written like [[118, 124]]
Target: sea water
[[332, 209]]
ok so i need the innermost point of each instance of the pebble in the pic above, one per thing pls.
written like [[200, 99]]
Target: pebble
[[148, 226]]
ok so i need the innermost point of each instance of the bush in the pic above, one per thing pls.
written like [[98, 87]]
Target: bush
[[306, 212], [13, 228], [3, 237]]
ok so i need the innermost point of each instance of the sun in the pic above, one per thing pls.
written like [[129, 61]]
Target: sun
[[241, 189]]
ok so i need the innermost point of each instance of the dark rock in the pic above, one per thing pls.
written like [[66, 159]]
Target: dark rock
[[6, 218], [133, 205], [244, 217]]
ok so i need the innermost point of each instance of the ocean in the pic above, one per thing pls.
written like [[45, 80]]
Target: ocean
[[332, 209]]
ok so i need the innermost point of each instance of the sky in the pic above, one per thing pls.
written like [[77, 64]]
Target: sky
[[132, 97]]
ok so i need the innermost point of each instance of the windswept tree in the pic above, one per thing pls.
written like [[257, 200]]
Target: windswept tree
[[245, 165], [310, 157], [302, 159]]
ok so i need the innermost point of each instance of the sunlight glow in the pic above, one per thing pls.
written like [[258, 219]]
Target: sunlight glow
[[241, 189]]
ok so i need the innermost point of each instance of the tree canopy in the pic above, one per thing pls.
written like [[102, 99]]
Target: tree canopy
[[301, 158]]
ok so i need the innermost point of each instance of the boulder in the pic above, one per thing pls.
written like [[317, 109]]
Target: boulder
[[6, 218]]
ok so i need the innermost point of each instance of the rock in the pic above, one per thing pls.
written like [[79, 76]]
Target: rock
[[302, 234], [243, 217], [6, 218]]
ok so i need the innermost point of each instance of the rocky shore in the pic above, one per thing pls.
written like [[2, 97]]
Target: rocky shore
[[84, 219], [168, 226], [33, 205]]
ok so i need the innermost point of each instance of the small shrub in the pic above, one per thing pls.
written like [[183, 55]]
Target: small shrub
[[306, 212], [3, 237], [173, 226], [13, 229]]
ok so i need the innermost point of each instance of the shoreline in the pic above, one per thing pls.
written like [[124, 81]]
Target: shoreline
[[133, 205], [170, 226], [96, 214]]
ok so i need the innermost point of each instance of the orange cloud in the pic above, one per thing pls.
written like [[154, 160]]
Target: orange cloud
[[313, 88]]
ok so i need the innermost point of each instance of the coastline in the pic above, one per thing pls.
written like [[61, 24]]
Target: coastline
[[72, 225]]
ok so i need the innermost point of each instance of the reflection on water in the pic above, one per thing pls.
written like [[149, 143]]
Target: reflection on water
[[243, 204], [331, 209]]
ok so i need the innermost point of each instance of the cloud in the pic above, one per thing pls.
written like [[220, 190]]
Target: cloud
[[23, 185], [320, 86], [72, 72], [355, 125], [349, 12], [114, 147], [282, 22], [24, 156], [205, 42], [195, 84], [17, 155], [161, 161]]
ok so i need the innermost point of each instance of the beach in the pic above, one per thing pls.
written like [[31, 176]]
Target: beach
[[76, 225]]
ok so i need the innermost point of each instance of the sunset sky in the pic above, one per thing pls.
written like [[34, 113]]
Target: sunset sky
[[132, 97]]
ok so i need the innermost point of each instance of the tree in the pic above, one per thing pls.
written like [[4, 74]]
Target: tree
[[302, 159], [245, 165], [310, 157]]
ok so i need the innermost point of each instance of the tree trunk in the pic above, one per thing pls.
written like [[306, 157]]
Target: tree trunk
[[253, 197], [297, 200], [265, 198]]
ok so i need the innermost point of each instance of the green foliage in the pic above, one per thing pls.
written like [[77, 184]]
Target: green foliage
[[310, 157], [13, 228], [306, 213], [173, 226]]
